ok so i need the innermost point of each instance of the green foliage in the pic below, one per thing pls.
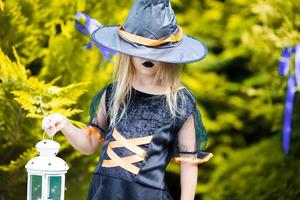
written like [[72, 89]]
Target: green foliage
[[37, 97], [50, 74], [261, 171], [240, 94], [241, 67]]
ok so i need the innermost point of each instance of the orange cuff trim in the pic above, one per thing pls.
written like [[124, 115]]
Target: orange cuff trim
[[92, 131], [150, 42], [178, 159]]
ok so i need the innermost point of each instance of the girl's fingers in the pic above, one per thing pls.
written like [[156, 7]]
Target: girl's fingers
[[52, 129], [52, 124], [59, 126], [50, 134], [45, 123]]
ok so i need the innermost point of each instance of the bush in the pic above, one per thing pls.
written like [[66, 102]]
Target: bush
[[261, 172]]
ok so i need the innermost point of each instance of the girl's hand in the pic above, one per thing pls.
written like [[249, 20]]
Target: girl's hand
[[53, 123]]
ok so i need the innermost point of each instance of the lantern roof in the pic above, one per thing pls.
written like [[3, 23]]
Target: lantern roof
[[47, 161]]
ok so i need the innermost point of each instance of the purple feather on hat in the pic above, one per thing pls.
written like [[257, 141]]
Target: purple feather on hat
[[90, 26]]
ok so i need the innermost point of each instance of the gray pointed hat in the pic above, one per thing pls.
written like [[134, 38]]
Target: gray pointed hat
[[151, 32]]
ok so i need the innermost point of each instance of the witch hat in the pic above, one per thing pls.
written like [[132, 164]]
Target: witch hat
[[151, 32]]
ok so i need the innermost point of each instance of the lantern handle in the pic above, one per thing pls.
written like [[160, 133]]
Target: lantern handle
[[44, 135]]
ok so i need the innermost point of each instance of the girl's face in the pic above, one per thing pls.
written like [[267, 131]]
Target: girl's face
[[146, 66]]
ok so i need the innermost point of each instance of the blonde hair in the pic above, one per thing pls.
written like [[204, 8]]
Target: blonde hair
[[123, 75]]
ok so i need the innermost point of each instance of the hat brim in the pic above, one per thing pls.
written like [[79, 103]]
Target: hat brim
[[187, 50]]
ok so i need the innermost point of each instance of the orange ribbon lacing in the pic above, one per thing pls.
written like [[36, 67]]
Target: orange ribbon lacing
[[150, 42], [132, 145]]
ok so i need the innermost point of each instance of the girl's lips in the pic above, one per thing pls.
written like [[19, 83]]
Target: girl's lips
[[148, 64]]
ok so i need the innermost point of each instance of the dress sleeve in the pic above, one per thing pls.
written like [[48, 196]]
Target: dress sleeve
[[97, 115], [190, 139]]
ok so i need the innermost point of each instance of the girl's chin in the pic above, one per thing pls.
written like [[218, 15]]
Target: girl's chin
[[146, 72]]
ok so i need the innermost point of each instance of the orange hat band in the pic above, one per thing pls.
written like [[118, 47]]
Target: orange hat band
[[150, 42]]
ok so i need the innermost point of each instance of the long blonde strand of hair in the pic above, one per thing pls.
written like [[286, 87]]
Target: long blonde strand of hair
[[123, 75]]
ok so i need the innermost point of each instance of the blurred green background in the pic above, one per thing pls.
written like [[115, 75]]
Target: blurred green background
[[239, 92]]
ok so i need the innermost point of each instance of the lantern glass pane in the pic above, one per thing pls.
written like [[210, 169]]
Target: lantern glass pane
[[54, 192], [36, 187]]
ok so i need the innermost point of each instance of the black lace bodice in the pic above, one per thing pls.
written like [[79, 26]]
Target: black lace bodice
[[147, 114]]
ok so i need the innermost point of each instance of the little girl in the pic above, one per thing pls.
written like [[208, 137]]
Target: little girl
[[143, 118]]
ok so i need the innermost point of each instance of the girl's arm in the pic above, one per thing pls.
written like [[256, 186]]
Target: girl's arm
[[188, 170], [79, 138], [188, 177]]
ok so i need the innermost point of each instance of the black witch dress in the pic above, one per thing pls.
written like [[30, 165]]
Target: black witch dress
[[136, 152]]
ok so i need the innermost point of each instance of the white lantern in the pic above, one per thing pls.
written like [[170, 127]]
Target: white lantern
[[46, 173]]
